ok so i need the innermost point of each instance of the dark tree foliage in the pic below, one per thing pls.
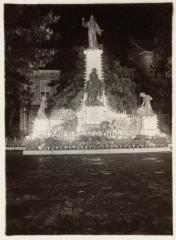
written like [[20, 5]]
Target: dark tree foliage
[[70, 90], [28, 33], [120, 87], [159, 85], [161, 80]]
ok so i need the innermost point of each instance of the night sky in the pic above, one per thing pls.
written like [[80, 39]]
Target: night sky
[[119, 21]]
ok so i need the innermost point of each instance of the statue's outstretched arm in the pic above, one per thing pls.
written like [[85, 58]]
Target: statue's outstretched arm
[[84, 24], [98, 29]]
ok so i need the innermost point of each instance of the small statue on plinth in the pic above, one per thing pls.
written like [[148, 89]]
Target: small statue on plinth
[[146, 109], [41, 123], [93, 30], [43, 105], [94, 89]]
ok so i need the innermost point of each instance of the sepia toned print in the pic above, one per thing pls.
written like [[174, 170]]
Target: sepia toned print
[[88, 118]]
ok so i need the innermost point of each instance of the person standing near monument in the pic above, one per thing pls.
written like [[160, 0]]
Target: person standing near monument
[[93, 30]]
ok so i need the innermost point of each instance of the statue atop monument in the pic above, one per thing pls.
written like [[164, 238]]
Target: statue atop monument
[[93, 30], [146, 109]]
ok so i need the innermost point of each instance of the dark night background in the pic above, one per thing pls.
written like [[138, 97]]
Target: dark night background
[[120, 21]]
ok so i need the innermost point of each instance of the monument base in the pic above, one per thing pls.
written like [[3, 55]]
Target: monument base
[[54, 122], [150, 126], [91, 127], [95, 115], [41, 128], [90, 117]]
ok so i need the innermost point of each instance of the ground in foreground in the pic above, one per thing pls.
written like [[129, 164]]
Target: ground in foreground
[[97, 194]]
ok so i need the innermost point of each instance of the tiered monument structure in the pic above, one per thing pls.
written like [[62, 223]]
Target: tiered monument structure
[[95, 108]]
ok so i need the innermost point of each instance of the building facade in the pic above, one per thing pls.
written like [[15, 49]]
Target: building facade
[[142, 58]]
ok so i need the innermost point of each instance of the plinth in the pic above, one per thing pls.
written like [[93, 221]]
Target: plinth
[[150, 126], [41, 127]]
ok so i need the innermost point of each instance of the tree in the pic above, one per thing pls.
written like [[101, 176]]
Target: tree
[[161, 80], [28, 34], [70, 90], [120, 88], [27, 96]]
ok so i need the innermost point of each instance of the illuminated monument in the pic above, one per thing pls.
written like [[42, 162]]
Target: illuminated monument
[[94, 106], [95, 109]]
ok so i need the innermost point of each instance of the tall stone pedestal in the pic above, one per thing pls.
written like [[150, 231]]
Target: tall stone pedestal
[[92, 115], [93, 59]]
